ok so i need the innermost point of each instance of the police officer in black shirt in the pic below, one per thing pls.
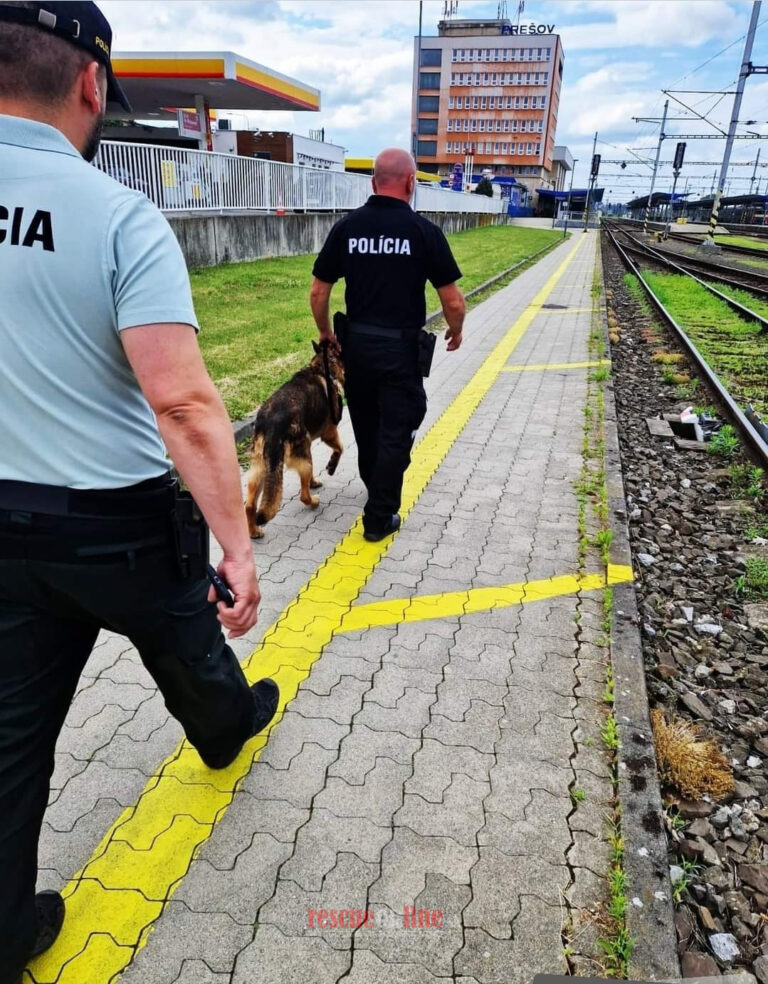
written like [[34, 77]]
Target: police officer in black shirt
[[386, 252]]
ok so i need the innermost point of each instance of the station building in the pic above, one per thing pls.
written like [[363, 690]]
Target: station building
[[490, 89]]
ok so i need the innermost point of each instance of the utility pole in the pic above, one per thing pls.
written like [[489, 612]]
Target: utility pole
[[754, 171], [744, 73], [655, 167], [592, 176]]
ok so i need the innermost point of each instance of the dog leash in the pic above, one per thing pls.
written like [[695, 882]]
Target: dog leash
[[330, 387]]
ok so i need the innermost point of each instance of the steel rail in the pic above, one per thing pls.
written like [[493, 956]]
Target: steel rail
[[697, 238], [749, 432], [741, 309], [742, 279]]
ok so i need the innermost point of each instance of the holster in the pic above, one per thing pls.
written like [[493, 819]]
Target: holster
[[190, 535], [340, 324], [427, 342]]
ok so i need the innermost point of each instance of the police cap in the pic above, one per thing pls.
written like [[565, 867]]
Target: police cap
[[81, 24]]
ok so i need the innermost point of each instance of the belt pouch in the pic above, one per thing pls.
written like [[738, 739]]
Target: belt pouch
[[190, 537], [340, 322], [427, 342]]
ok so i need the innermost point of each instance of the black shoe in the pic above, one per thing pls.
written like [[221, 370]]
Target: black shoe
[[375, 535], [49, 907], [266, 696]]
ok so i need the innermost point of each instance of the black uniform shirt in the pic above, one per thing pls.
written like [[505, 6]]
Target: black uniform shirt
[[386, 253]]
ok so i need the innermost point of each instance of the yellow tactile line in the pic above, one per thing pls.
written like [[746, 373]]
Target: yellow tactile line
[[451, 604], [113, 902], [558, 365]]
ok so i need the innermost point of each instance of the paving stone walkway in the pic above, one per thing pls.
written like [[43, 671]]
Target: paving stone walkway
[[444, 759]]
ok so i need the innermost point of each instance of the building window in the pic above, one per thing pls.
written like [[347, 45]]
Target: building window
[[431, 104], [431, 57], [475, 102], [466, 125], [530, 149], [504, 148], [545, 78], [494, 79], [448, 147], [477, 78], [473, 126], [429, 80], [481, 126], [426, 148], [498, 126], [538, 148], [451, 102], [496, 147], [462, 54], [487, 146], [454, 54], [428, 126], [535, 78], [525, 102], [485, 78], [483, 102], [509, 102], [527, 78], [518, 78], [540, 126], [506, 126]]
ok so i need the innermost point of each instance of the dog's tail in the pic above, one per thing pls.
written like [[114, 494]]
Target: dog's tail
[[272, 489]]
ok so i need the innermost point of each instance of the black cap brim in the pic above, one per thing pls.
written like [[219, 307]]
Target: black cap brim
[[115, 92]]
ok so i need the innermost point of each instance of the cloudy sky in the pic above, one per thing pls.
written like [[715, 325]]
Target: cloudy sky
[[619, 56]]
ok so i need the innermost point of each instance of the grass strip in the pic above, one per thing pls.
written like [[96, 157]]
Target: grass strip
[[255, 317], [737, 350]]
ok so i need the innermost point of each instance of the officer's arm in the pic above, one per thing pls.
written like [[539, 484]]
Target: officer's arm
[[454, 309], [198, 435], [320, 302]]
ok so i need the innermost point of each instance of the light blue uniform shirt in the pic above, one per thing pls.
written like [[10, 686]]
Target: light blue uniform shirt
[[81, 259]]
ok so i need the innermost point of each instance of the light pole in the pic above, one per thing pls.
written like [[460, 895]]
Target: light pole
[[570, 192]]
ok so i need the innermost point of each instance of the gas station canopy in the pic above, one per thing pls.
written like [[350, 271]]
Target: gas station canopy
[[158, 83]]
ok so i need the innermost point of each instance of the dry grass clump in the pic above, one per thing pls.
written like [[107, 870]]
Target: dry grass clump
[[693, 764], [666, 358]]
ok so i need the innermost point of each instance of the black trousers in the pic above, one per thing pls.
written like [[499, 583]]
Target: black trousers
[[386, 400], [50, 615]]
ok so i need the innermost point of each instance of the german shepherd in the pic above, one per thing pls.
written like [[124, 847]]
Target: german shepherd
[[286, 424]]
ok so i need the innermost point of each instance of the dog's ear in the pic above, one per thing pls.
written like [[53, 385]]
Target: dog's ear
[[316, 347]]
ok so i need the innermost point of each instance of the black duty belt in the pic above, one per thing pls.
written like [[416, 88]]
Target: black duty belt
[[379, 331], [153, 497]]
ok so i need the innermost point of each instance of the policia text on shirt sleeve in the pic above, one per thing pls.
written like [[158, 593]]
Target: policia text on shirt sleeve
[[386, 253]]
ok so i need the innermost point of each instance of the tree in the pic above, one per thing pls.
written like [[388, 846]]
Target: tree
[[484, 187]]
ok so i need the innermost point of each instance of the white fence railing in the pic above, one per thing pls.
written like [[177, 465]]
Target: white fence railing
[[180, 180]]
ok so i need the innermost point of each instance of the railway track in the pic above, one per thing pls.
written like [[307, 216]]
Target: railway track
[[696, 238], [680, 265], [748, 431]]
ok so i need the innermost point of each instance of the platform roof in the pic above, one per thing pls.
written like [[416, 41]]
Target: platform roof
[[158, 83], [365, 164]]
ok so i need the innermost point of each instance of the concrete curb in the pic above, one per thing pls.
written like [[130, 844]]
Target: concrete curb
[[243, 429], [650, 923]]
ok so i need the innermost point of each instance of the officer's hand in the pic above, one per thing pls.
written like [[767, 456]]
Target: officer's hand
[[240, 575], [328, 336], [454, 341]]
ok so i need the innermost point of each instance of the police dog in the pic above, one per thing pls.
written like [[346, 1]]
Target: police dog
[[286, 424]]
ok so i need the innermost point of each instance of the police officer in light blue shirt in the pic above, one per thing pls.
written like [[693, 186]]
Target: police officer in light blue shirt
[[100, 372]]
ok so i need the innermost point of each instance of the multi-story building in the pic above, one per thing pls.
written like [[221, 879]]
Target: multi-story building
[[491, 89]]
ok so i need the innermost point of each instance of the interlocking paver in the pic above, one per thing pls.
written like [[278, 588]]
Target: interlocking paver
[[407, 860]]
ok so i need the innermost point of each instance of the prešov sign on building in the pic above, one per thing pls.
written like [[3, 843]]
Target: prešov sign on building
[[527, 28]]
